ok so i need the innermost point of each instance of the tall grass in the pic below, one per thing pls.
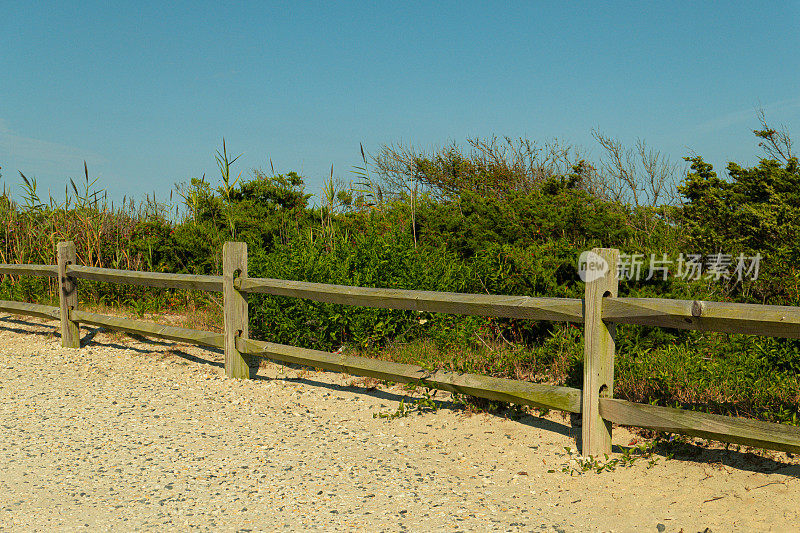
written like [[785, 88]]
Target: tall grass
[[102, 232], [105, 235]]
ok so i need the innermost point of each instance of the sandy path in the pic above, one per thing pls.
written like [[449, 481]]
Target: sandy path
[[129, 435]]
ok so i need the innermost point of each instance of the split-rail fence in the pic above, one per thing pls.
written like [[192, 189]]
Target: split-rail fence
[[599, 311]]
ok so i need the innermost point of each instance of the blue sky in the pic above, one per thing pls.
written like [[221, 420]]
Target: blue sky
[[145, 92]]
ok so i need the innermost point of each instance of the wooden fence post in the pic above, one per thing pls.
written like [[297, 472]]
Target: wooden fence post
[[598, 355], [234, 264], [67, 295]]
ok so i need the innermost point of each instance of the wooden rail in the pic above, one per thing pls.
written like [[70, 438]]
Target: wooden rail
[[726, 317], [716, 427], [553, 309], [48, 271], [47, 312], [143, 327], [505, 390], [600, 310], [161, 280]]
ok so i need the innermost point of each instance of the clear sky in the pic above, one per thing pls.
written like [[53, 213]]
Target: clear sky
[[145, 92]]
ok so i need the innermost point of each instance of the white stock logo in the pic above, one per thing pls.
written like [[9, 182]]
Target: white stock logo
[[591, 266]]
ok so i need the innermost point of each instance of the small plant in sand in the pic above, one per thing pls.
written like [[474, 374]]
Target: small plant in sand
[[578, 464], [425, 404]]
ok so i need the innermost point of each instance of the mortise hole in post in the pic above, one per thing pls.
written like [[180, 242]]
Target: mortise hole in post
[[606, 294], [603, 391]]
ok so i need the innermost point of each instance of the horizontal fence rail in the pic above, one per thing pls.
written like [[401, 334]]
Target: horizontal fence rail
[[599, 310], [506, 390], [725, 317], [160, 280], [143, 327], [47, 271], [527, 307], [47, 312], [717, 427]]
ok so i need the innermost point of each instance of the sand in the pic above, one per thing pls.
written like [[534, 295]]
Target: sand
[[135, 434]]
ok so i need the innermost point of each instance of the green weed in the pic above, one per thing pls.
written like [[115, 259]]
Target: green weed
[[419, 406], [576, 464]]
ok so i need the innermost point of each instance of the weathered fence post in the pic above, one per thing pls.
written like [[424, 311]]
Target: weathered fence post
[[234, 264], [67, 295], [598, 355]]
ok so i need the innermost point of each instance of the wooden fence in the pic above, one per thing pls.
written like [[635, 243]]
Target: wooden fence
[[599, 310]]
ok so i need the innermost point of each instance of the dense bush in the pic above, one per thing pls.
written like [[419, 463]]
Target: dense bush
[[756, 211]]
